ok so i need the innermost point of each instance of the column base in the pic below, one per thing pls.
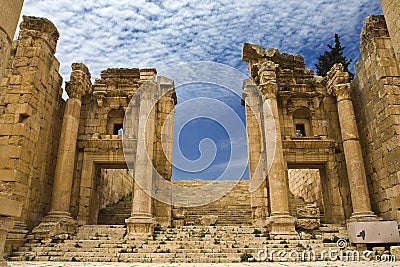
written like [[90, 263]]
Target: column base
[[282, 226], [364, 216], [140, 226], [55, 224]]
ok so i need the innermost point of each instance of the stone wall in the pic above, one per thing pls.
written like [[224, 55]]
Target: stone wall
[[376, 100], [10, 12], [391, 9], [113, 185], [306, 184], [31, 110]]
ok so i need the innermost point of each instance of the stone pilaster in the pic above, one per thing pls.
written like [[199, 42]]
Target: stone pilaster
[[59, 219], [141, 222], [10, 12], [339, 86], [282, 223]]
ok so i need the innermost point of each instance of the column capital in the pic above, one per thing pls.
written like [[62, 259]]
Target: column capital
[[268, 85], [80, 82], [342, 91]]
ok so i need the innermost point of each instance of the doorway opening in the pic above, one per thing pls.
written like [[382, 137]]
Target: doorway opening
[[306, 187], [112, 196]]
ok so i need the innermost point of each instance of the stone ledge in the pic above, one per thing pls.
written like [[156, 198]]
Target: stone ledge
[[10, 208]]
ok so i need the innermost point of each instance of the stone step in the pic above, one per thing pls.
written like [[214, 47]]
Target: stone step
[[183, 244]]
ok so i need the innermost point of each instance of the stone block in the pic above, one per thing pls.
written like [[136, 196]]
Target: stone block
[[208, 220], [10, 208], [308, 223]]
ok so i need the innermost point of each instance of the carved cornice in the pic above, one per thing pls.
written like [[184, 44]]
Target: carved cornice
[[80, 82]]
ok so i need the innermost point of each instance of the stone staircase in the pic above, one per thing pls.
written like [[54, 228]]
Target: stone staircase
[[115, 214], [232, 209], [188, 244]]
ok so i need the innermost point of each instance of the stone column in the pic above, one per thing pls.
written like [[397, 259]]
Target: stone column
[[282, 224], [59, 219], [339, 86], [162, 151], [141, 222], [10, 12], [256, 153]]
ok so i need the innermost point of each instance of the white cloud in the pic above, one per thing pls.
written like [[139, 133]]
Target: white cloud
[[160, 34]]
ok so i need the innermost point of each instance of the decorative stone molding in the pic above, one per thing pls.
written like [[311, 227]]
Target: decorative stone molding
[[268, 85], [79, 83], [100, 96], [342, 91], [336, 76]]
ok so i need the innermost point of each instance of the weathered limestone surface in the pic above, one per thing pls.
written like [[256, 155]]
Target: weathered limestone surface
[[8, 210], [315, 128], [113, 186], [338, 85], [308, 218], [59, 220], [377, 97], [301, 100], [256, 152], [156, 103], [208, 220], [10, 12], [306, 184], [30, 115], [391, 9]]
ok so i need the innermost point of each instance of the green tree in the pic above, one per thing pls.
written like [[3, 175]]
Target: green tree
[[332, 56]]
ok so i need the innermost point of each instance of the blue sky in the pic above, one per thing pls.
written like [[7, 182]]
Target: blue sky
[[161, 34]]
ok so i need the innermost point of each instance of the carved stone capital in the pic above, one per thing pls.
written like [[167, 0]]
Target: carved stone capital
[[336, 76], [80, 82], [269, 89], [342, 91], [268, 85], [267, 72]]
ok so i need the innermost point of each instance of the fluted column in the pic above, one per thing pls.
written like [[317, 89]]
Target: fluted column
[[339, 86], [282, 223], [61, 197], [142, 221]]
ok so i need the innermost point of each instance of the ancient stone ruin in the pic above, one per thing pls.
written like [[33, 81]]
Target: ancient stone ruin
[[66, 194]]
